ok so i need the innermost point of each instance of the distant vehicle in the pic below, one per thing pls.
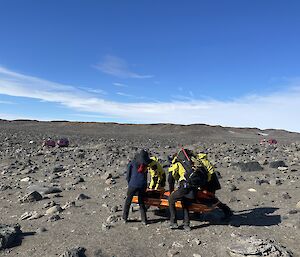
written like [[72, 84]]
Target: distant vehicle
[[63, 142], [272, 141], [49, 143]]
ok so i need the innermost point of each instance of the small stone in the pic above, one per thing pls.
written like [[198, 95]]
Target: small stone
[[286, 195], [293, 212], [54, 209], [31, 197], [276, 164], [54, 217], [177, 244], [27, 179], [41, 230], [112, 219], [282, 168], [82, 197], [298, 206], [252, 190], [74, 252], [69, 205], [233, 188], [196, 255], [196, 241], [105, 227], [172, 253], [115, 208]]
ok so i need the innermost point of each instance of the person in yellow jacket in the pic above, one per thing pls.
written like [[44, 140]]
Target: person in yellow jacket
[[206, 179], [157, 174]]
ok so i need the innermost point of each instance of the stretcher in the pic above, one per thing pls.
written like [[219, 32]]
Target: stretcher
[[203, 202]]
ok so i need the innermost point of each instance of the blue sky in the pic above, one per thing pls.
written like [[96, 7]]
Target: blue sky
[[230, 63]]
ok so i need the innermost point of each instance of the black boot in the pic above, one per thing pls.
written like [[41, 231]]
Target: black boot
[[227, 211]]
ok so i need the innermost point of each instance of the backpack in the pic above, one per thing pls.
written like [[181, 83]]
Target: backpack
[[195, 177]]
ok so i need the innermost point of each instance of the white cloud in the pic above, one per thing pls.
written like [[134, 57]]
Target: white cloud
[[119, 84], [6, 102], [277, 110], [118, 67]]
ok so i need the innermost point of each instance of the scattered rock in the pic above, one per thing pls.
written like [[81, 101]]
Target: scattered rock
[[54, 217], [9, 235], [82, 197], [31, 197], [53, 210], [286, 195], [248, 166], [74, 252], [41, 230], [276, 164], [298, 206], [243, 246]]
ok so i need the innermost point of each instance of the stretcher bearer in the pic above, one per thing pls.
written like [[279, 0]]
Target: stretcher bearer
[[157, 174], [193, 172], [137, 183]]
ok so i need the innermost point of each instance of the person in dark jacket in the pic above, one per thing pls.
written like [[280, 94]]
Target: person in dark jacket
[[137, 183]]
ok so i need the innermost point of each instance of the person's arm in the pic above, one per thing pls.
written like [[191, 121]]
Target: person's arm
[[128, 173]]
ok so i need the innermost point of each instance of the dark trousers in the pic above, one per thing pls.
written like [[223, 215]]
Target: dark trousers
[[179, 195], [140, 192]]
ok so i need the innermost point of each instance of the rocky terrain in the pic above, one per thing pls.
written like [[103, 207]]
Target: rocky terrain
[[68, 201]]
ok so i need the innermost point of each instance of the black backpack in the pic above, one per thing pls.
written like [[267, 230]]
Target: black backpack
[[194, 177]]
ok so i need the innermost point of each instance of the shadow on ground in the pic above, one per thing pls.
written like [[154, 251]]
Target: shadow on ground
[[261, 216]]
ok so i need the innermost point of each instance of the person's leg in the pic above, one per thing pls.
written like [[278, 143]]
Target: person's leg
[[186, 215], [130, 193], [163, 181], [143, 210], [175, 196]]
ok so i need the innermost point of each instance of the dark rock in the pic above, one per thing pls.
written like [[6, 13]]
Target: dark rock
[[31, 197], [233, 188], [261, 181], [248, 166], [276, 164], [41, 230], [82, 197], [58, 168], [9, 235], [286, 195], [293, 212], [54, 217], [4, 187], [74, 252]]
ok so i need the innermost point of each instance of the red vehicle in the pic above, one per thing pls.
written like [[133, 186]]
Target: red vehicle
[[272, 141], [49, 143], [63, 142]]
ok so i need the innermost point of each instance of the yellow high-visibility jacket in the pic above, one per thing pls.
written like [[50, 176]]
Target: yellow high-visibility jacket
[[155, 173], [210, 168], [177, 170]]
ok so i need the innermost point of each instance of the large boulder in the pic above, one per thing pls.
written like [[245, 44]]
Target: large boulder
[[247, 166], [9, 235]]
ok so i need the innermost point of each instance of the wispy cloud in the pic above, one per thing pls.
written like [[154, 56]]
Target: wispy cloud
[[6, 102], [118, 67], [276, 110], [119, 84]]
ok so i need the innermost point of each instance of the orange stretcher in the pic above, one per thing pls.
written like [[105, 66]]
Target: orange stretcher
[[204, 202]]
